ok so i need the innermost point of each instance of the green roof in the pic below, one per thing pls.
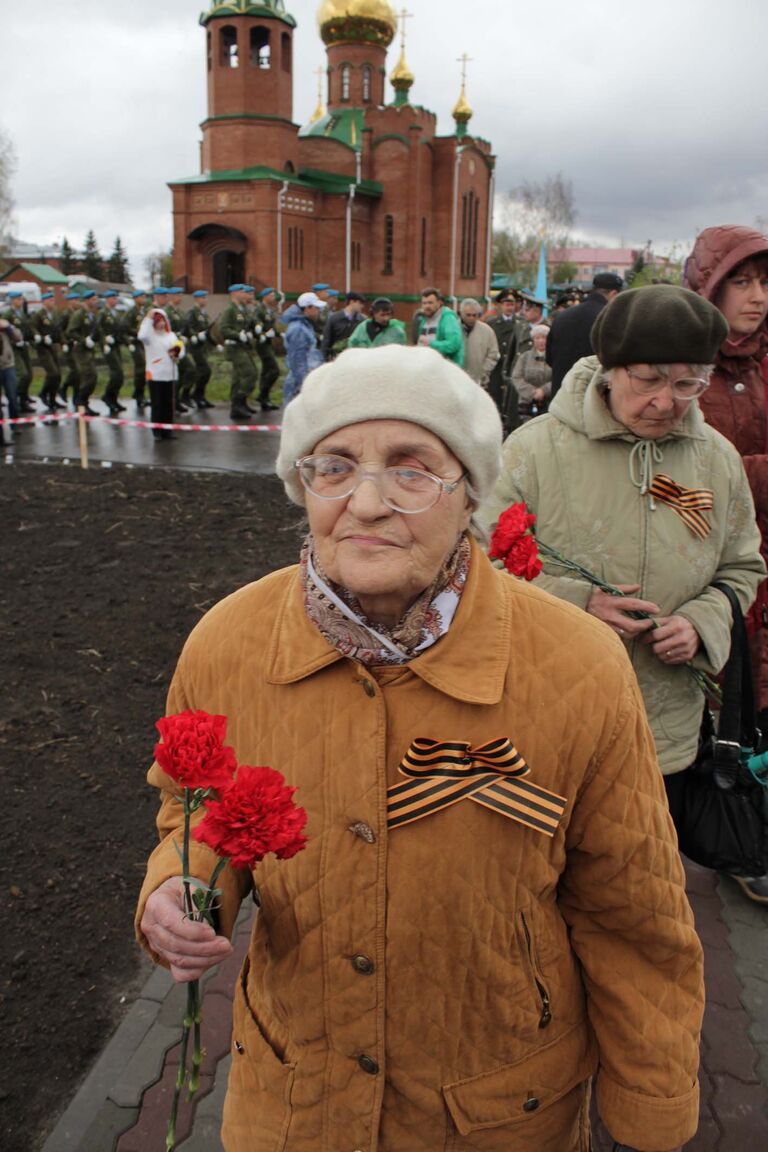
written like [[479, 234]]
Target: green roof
[[274, 9], [309, 178], [344, 125], [45, 273]]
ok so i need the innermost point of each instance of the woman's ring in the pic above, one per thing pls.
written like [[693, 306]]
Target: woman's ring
[[620, 631]]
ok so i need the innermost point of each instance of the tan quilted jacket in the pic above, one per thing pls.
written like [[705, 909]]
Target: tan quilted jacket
[[453, 983]]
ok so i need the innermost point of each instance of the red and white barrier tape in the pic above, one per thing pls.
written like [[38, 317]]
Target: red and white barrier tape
[[55, 417]]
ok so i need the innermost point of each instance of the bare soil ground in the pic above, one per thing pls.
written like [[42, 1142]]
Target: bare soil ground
[[103, 575]]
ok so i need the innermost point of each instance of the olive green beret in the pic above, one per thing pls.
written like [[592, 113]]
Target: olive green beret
[[660, 324]]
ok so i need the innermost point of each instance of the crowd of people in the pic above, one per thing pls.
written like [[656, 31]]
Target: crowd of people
[[489, 918]]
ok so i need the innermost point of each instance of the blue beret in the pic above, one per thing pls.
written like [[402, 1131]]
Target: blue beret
[[159, 291], [333, 292], [110, 292], [265, 292], [248, 288], [138, 292], [201, 292], [72, 296], [320, 287], [237, 288], [88, 295], [174, 290], [15, 294], [47, 296]]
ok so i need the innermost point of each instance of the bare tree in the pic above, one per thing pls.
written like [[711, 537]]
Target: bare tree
[[531, 212], [7, 172]]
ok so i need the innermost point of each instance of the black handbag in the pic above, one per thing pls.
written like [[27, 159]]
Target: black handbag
[[720, 811]]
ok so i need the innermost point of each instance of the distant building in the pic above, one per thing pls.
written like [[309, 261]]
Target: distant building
[[46, 276], [365, 195], [20, 251]]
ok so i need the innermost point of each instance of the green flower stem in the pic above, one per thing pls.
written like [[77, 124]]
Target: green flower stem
[[181, 1075], [195, 1011], [705, 682]]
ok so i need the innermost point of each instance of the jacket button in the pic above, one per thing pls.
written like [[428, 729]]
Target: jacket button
[[369, 1065], [363, 964], [364, 831], [239, 1048], [531, 1104], [368, 688]]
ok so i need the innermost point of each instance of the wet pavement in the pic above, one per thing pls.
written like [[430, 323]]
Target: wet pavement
[[207, 440]]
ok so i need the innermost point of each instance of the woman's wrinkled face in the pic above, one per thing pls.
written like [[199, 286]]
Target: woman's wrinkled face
[[650, 417], [540, 341], [383, 557]]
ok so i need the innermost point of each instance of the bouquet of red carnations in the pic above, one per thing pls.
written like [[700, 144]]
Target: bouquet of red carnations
[[249, 812]]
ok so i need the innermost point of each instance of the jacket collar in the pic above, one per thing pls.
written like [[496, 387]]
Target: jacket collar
[[469, 663]]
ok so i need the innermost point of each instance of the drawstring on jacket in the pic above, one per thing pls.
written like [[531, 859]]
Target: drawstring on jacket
[[644, 454]]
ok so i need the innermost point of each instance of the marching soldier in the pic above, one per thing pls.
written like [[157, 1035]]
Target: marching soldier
[[111, 337], [47, 324], [184, 363], [136, 348], [68, 362], [270, 369], [82, 337], [235, 325], [196, 328], [19, 317]]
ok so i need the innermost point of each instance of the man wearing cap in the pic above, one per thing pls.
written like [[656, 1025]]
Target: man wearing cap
[[236, 328], [19, 318], [569, 337], [185, 366], [135, 347], [504, 327], [47, 324], [439, 327], [340, 325], [82, 336], [197, 323], [301, 350], [381, 329], [111, 339], [270, 369]]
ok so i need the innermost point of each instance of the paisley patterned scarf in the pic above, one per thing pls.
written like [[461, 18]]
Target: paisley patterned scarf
[[337, 614]]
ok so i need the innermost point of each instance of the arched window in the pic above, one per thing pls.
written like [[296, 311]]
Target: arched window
[[289, 168], [470, 211], [261, 49], [210, 51], [228, 47], [366, 83], [423, 246], [389, 245], [346, 76], [286, 53]]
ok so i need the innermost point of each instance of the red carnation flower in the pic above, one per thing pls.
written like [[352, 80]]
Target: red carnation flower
[[523, 559], [193, 751], [255, 816], [512, 525]]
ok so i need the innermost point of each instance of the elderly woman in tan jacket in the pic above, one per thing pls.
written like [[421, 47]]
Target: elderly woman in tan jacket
[[490, 910]]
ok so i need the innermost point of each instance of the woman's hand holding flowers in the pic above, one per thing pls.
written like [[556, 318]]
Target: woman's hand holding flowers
[[674, 640], [616, 611], [189, 946]]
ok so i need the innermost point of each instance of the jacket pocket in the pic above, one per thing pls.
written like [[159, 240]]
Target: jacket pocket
[[532, 1103], [257, 1109], [530, 955]]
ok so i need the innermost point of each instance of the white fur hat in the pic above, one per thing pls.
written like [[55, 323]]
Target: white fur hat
[[394, 383]]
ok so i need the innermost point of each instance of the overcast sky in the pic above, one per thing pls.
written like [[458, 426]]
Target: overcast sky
[[656, 110]]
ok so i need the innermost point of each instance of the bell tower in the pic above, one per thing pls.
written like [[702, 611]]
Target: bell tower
[[250, 87], [357, 34]]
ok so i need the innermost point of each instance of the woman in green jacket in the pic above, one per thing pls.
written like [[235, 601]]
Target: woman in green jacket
[[595, 471]]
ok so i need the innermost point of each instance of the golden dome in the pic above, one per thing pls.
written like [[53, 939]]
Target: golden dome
[[462, 110], [370, 21], [401, 77]]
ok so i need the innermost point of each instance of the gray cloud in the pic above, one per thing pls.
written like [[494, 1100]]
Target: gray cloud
[[656, 111]]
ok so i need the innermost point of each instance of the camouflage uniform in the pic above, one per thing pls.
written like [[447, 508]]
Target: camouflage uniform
[[187, 377], [136, 348], [22, 354], [196, 328], [111, 339], [266, 321], [47, 326], [236, 327], [82, 337]]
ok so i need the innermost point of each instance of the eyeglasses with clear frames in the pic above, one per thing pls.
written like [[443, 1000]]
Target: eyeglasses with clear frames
[[407, 490], [684, 388]]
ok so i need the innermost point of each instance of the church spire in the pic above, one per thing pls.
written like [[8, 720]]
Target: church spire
[[402, 78], [319, 111], [462, 110]]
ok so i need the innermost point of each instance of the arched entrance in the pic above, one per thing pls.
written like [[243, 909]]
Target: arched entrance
[[222, 251]]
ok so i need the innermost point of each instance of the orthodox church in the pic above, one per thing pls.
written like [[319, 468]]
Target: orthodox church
[[365, 196]]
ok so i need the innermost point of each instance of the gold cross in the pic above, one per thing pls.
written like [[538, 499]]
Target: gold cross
[[402, 16], [464, 60]]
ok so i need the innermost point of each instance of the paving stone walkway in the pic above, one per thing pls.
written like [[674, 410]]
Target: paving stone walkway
[[124, 1103]]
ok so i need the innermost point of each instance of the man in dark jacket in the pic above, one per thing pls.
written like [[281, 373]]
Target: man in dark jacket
[[339, 326], [569, 335]]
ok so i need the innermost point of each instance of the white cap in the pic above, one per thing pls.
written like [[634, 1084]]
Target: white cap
[[309, 299]]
